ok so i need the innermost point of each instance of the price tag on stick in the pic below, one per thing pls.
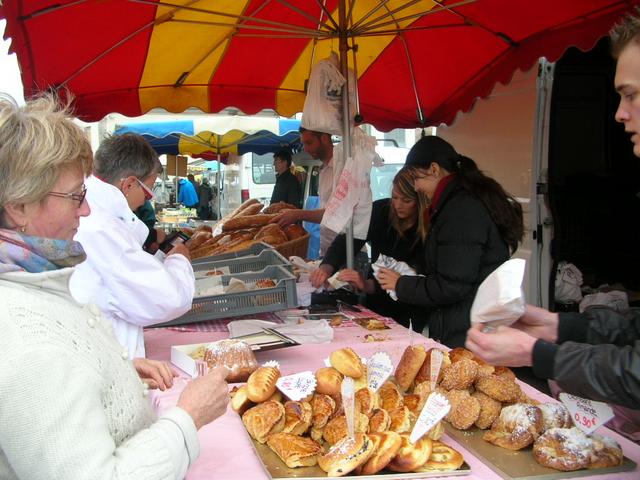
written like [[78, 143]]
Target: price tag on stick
[[434, 410], [348, 402], [588, 415], [297, 386], [435, 364], [379, 368]]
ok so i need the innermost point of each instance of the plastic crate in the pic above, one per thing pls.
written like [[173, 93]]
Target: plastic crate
[[247, 263], [254, 249], [280, 297]]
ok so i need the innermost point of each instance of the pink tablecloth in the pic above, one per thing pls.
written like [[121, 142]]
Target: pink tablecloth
[[226, 451]]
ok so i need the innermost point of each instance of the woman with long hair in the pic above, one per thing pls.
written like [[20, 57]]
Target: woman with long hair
[[473, 227], [396, 229]]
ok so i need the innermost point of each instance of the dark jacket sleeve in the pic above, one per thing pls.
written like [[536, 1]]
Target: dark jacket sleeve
[[294, 192], [336, 255], [459, 244], [598, 356]]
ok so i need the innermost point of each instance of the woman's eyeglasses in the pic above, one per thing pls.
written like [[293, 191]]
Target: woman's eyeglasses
[[148, 193], [78, 197]]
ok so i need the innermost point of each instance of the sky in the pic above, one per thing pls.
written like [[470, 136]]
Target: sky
[[10, 81]]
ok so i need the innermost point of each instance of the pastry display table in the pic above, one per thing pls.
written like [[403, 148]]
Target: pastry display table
[[226, 451]]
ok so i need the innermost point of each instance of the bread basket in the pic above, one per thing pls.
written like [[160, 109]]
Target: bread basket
[[297, 247]]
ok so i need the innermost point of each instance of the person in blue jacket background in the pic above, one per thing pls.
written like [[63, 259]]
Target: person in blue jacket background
[[187, 194]]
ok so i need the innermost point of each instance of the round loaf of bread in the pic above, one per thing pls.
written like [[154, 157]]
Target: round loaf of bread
[[347, 362], [236, 355], [262, 383], [411, 456], [346, 455], [443, 458], [385, 447], [328, 381], [294, 231]]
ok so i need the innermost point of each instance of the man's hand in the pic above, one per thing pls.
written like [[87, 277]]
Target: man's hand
[[206, 397], [353, 277], [539, 323], [504, 346], [320, 275], [180, 249], [287, 217], [155, 373], [387, 278], [160, 235]]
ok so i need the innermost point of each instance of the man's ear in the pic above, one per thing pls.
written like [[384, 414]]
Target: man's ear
[[127, 184]]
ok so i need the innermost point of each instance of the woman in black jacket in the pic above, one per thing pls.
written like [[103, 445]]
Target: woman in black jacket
[[473, 227], [397, 230]]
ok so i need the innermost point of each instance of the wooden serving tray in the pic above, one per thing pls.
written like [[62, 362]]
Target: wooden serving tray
[[520, 464], [278, 470]]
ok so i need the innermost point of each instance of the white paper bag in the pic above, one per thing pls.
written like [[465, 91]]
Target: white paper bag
[[500, 299], [392, 264]]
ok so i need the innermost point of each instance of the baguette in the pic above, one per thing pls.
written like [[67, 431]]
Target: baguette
[[246, 221], [245, 204], [276, 207], [250, 210]]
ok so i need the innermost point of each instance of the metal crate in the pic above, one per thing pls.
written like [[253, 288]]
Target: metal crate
[[280, 297], [254, 249], [247, 263]]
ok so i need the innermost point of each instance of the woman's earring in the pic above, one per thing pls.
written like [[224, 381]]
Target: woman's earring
[[23, 228]]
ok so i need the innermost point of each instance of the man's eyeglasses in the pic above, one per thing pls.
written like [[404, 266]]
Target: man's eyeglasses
[[78, 197], [148, 193]]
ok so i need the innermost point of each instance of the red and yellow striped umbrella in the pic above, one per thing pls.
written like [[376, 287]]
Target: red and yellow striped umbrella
[[418, 62]]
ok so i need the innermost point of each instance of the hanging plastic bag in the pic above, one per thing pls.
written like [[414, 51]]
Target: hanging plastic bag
[[614, 299], [322, 110], [568, 283], [352, 193]]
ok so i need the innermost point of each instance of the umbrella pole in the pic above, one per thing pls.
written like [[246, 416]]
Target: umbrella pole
[[219, 184], [346, 121]]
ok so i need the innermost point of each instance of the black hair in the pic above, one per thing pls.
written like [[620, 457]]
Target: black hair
[[283, 154], [504, 209]]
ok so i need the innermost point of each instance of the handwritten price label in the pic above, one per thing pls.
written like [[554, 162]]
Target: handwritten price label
[[297, 386], [588, 415], [347, 390], [379, 367], [434, 410]]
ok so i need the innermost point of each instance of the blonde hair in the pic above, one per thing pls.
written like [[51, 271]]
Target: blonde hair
[[38, 141], [403, 183]]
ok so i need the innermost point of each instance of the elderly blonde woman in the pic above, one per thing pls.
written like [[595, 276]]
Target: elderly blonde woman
[[71, 404], [132, 288]]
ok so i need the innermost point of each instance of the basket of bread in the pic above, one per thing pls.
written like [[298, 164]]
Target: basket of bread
[[247, 226], [326, 430], [492, 416]]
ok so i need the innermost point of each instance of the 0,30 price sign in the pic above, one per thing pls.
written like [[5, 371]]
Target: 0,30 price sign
[[588, 415]]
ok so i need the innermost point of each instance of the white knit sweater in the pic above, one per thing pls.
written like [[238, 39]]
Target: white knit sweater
[[72, 406]]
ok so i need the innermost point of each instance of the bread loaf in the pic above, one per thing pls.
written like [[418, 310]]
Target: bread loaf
[[276, 207], [246, 221], [347, 362], [346, 455], [328, 381], [262, 383], [385, 447], [443, 458], [240, 403], [411, 456], [409, 365], [294, 231]]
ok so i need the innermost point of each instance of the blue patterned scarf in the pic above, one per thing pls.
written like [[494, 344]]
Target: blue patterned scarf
[[20, 252]]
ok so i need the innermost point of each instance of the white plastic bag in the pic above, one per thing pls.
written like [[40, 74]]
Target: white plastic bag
[[500, 299], [322, 111], [568, 283], [352, 193], [392, 264]]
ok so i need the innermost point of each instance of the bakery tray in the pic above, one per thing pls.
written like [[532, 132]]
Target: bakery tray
[[260, 300], [277, 469], [520, 464], [244, 263]]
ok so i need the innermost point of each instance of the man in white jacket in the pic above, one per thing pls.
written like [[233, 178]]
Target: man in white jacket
[[131, 287]]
